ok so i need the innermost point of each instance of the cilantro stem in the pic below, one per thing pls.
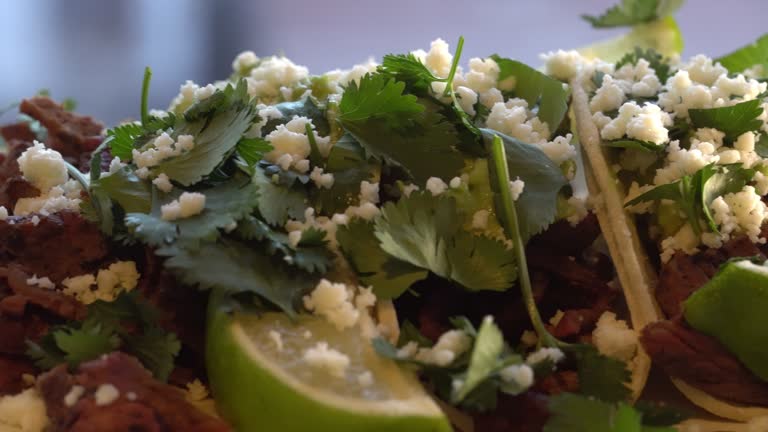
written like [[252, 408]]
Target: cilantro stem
[[512, 228], [314, 151], [454, 66], [145, 96]]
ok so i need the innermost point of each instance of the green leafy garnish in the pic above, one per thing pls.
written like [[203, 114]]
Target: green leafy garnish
[[549, 94], [216, 128], [124, 188], [633, 12], [145, 95], [644, 146], [600, 376], [657, 62], [349, 166], [252, 150], [395, 127], [409, 70], [732, 120], [427, 232], [489, 345], [225, 204], [537, 206], [575, 413], [748, 56], [120, 139], [235, 267], [127, 324], [694, 193], [390, 277], [278, 202]]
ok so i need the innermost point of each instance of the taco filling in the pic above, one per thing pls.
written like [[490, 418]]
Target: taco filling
[[685, 144]]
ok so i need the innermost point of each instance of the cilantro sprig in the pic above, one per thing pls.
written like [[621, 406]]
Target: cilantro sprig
[[748, 56], [576, 413], [732, 120], [633, 12], [127, 324]]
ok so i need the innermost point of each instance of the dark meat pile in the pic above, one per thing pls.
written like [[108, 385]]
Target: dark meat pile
[[682, 352], [142, 403], [563, 279], [64, 245]]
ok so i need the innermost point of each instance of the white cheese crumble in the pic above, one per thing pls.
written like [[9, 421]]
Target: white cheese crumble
[[521, 374], [3, 213], [646, 123], [516, 187], [480, 220], [436, 186], [681, 162], [684, 240], [614, 338], [741, 212], [450, 345], [272, 74], [74, 395], [163, 183], [106, 394], [328, 359], [244, 62], [514, 119], [44, 168], [187, 205], [322, 180], [365, 379], [43, 282], [163, 147], [277, 338], [333, 301], [291, 139], [120, 276], [543, 354], [24, 412], [563, 65]]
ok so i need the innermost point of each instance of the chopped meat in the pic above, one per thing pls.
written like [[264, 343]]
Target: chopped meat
[[12, 185], [579, 238], [143, 404], [16, 331], [12, 369], [523, 413], [684, 274], [60, 245], [53, 301], [71, 134], [702, 362], [565, 381], [17, 131]]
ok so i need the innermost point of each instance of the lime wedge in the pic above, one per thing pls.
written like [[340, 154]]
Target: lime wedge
[[261, 384], [663, 36], [732, 308]]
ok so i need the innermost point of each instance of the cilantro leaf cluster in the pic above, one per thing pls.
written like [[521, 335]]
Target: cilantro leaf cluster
[[633, 12], [128, 324]]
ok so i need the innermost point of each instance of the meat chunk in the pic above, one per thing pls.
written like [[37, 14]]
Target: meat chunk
[[684, 274], [59, 246], [523, 413], [702, 362], [142, 405], [53, 301], [12, 185], [12, 370], [72, 135]]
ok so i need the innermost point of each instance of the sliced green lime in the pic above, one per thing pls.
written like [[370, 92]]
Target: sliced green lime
[[733, 308], [663, 36], [262, 381]]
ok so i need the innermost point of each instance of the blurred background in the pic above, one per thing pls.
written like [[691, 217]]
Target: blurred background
[[95, 50]]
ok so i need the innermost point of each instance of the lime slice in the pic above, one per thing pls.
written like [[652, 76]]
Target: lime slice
[[732, 307], [261, 384], [663, 36]]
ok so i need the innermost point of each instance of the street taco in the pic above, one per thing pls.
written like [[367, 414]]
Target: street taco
[[678, 148]]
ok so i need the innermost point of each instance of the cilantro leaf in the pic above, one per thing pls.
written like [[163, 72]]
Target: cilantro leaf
[[120, 139], [600, 376], [389, 277], [234, 267], [410, 70], [380, 97], [252, 150], [395, 127], [126, 189], [484, 360], [277, 202], [633, 12], [644, 146], [575, 413], [694, 193], [426, 232], [225, 204], [761, 146], [549, 94], [349, 166], [747, 56], [128, 324], [216, 129], [657, 62], [537, 205], [306, 107], [732, 120]]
